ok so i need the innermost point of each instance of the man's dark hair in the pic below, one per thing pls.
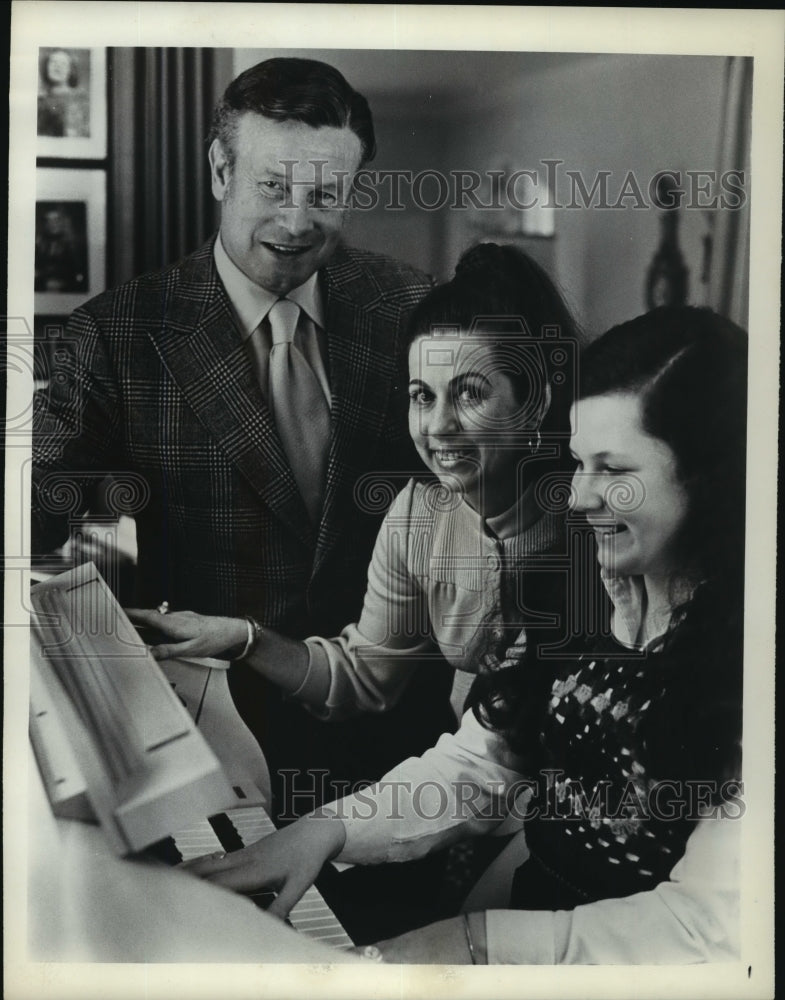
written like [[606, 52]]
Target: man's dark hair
[[301, 90]]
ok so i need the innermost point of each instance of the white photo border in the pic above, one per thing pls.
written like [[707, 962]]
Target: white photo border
[[757, 33]]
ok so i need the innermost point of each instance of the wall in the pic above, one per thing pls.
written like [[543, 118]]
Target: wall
[[412, 133], [614, 113], [418, 237], [618, 114]]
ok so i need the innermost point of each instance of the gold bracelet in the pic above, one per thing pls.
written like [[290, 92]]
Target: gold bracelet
[[469, 938]]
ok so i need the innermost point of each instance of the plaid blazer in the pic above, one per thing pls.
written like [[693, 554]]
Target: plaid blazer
[[155, 387]]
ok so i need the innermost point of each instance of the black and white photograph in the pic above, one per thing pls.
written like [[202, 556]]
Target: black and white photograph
[[390, 575], [61, 246], [71, 105], [70, 238]]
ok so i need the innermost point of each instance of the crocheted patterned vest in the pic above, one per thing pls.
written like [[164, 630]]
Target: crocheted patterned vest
[[605, 827]]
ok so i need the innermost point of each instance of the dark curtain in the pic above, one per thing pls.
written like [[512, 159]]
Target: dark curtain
[[161, 103], [728, 232]]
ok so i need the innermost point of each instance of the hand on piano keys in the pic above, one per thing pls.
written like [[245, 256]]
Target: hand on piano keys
[[241, 850]]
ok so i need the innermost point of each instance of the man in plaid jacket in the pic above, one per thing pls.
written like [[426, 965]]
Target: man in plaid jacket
[[160, 390]]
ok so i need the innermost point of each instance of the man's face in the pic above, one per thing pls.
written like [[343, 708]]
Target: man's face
[[281, 214]]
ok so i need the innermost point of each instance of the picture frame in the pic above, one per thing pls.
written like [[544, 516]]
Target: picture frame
[[70, 238], [71, 105]]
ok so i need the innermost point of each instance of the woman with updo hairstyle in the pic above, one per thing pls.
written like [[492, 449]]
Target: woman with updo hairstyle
[[628, 744], [490, 368]]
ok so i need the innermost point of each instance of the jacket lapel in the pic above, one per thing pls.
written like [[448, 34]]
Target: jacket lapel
[[202, 350], [361, 379]]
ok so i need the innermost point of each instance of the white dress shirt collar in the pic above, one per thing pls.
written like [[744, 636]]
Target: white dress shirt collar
[[251, 302]]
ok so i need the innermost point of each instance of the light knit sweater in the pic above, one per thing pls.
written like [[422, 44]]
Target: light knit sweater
[[433, 580]]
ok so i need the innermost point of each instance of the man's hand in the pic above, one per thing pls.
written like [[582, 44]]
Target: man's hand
[[287, 861], [193, 635]]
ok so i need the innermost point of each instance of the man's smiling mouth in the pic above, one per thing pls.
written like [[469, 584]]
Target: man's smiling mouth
[[285, 250]]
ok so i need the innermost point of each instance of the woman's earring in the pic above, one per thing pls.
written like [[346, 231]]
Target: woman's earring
[[535, 447]]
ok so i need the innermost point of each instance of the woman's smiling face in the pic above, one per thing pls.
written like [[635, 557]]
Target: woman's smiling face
[[465, 418], [628, 486]]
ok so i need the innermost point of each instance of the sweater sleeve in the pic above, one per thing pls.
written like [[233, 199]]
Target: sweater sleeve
[[367, 667], [464, 786], [692, 917]]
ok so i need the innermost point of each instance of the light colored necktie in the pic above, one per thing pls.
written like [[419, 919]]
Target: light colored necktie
[[298, 405]]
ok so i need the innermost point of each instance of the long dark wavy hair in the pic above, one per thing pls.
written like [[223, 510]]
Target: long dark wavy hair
[[688, 368]]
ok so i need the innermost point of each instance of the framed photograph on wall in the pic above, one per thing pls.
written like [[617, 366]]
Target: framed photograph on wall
[[70, 238], [72, 103]]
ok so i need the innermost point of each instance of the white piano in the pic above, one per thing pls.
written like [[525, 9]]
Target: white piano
[[105, 783]]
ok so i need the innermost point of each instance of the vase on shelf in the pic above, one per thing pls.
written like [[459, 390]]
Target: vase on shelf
[[667, 280]]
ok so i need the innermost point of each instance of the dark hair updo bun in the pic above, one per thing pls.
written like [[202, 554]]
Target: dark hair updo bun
[[503, 285], [490, 261]]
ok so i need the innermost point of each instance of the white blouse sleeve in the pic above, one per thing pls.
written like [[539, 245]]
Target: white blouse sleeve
[[691, 917], [367, 667], [462, 787]]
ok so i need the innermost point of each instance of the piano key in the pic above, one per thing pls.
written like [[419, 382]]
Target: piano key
[[242, 827], [226, 832], [314, 918], [250, 823], [165, 850], [262, 899], [197, 840], [311, 915]]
